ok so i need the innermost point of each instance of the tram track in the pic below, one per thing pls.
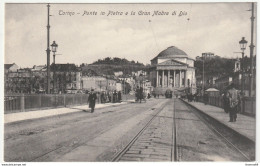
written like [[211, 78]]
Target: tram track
[[239, 143], [123, 151], [63, 149]]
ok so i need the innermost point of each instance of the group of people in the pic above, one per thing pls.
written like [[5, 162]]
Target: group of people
[[141, 95], [104, 97], [231, 103], [193, 97], [108, 97]]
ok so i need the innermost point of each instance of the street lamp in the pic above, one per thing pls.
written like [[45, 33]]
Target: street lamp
[[54, 47], [242, 44]]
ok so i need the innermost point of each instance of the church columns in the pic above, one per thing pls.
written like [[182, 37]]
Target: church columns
[[180, 78], [163, 78], [185, 78], [157, 78], [174, 78], [168, 81], [171, 78]]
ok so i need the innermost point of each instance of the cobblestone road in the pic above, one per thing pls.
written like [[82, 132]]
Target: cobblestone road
[[156, 142]]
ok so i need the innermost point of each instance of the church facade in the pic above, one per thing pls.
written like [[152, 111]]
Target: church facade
[[173, 69]]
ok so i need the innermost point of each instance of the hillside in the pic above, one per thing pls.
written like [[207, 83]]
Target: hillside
[[108, 66]]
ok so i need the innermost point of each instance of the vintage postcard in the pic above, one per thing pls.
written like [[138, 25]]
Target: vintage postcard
[[129, 82]]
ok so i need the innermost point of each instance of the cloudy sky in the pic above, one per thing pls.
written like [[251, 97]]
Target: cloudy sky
[[207, 27]]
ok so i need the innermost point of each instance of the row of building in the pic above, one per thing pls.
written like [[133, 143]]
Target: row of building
[[67, 78], [170, 69]]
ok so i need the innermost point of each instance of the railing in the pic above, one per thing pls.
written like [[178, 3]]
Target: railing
[[19, 103], [247, 106]]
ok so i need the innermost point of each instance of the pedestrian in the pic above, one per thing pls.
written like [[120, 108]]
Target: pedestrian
[[206, 98], [234, 100], [148, 96], [196, 97], [114, 96], [108, 97], [137, 95], [240, 98], [226, 102], [119, 97], [141, 95], [103, 97], [92, 100]]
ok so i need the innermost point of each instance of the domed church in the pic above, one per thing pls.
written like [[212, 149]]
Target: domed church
[[173, 69]]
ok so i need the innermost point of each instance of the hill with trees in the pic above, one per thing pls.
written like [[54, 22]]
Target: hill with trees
[[108, 66]]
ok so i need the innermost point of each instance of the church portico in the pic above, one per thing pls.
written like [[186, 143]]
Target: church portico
[[171, 72], [171, 78]]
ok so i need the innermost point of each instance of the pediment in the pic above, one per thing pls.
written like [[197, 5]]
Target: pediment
[[171, 63]]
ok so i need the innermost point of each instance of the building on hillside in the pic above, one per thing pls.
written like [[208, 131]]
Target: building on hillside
[[172, 69], [10, 67], [65, 77], [236, 77], [99, 83], [140, 73], [39, 74], [223, 82], [207, 55], [128, 79], [19, 81], [119, 73]]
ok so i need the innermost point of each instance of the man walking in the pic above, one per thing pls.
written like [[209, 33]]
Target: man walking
[[226, 102], [233, 93], [92, 100]]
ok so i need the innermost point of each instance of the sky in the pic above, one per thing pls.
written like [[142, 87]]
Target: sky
[[82, 38]]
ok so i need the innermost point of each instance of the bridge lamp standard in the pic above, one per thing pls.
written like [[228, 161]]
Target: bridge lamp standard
[[243, 44], [54, 47]]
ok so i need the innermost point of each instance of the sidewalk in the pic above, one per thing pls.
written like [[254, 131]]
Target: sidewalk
[[20, 116], [244, 125]]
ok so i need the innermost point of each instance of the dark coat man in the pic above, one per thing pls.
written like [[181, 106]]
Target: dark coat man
[[140, 94], [119, 96], [92, 100], [226, 102], [115, 97], [206, 98], [234, 100], [103, 97]]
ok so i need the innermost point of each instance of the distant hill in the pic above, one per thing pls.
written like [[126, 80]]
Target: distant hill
[[108, 66]]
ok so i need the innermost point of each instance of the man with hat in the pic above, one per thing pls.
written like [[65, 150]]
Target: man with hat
[[92, 100], [234, 101]]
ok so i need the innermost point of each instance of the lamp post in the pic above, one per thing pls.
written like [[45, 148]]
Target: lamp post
[[54, 47], [48, 50], [252, 52], [242, 44]]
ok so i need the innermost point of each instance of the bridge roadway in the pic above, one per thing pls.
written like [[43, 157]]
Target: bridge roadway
[[100, 136]]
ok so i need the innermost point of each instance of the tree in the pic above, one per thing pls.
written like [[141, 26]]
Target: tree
[[214, 67]]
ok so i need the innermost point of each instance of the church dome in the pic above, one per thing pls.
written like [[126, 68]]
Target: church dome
[[171, 52]]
